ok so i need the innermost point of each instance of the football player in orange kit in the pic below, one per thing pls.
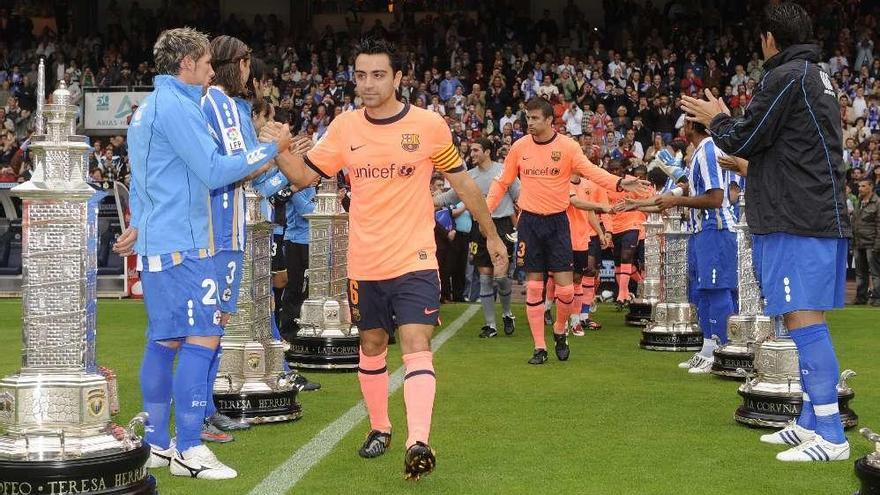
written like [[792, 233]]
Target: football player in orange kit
[[391, 149], [544, 162]]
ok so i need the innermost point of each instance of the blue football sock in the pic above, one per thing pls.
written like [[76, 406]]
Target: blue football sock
[[701, 302], [191, 393], [719, 305], [585, 309], [210, 408], [807, 418], [819, 376], [157, 371]]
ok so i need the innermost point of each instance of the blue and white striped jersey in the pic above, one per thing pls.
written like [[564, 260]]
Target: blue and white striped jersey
[[704, 175], [227, 202]]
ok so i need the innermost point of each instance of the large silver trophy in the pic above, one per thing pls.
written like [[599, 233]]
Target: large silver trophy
[[251, 384], [749, 326], [642, 307], [673, 326], [868, 467], [773, 396], [55, 412], [326, 338]]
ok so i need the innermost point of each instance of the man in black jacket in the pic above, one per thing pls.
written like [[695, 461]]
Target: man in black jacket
[[791, 136], [866, 245]]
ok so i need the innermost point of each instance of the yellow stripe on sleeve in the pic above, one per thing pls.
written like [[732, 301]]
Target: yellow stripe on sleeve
[[446, 159]]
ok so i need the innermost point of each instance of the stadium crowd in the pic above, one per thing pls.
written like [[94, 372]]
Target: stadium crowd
[[615, 89]]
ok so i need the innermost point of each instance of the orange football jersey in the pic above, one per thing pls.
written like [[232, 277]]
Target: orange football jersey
[[390, 163]]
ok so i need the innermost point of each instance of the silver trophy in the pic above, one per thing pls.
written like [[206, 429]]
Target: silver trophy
[[749, 326], [55, 412], [327, 339], [642, 307], [673, 324], [252, 384], [772, 395], [868, 467]]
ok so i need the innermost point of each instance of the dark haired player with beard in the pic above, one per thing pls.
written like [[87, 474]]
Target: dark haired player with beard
[[391, 150], [544, 162], [791, 136]]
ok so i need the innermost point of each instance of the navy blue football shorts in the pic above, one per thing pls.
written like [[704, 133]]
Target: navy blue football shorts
[[411, 298], [544, 243]]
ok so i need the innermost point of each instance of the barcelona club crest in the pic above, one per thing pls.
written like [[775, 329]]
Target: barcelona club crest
[[409, 142], [556, 156]]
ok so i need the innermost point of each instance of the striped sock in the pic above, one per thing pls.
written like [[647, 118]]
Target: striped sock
[[419, 388]]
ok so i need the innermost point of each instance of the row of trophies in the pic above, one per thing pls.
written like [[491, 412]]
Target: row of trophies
[[759, 350], [55, 413]]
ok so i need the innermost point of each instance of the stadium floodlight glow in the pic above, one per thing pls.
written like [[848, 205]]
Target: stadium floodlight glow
[[55, 412]]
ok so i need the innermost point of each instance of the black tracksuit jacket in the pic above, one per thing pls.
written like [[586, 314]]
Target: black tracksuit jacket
[[792, 137]]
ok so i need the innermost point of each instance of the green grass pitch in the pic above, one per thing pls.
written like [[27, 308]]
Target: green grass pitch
[[613, 420]]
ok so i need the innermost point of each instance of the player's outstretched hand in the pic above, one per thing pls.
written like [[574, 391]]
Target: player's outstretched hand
[[284, 138], [635, 185], [622, 206], [666, 201], [125, 243], [269, 132], [607, 241], [498, 253], [301, 144]]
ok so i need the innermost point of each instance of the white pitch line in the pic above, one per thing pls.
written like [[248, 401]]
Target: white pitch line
[[288, 474]]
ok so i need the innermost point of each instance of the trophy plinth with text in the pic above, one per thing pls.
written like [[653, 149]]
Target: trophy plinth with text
[[868, 467], [773, 396], [55, 412], [251, 384], [673, 324], [327, 339], [749, 326], [642, 307]]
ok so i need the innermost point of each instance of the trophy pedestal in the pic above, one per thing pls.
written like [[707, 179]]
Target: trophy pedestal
[[744, 332], [122, 473], [640, 310], [249, 386], [768, 408], [639, 314], [732, 357], [869, 476], [327, 351], [673, 329], [260, 407]]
